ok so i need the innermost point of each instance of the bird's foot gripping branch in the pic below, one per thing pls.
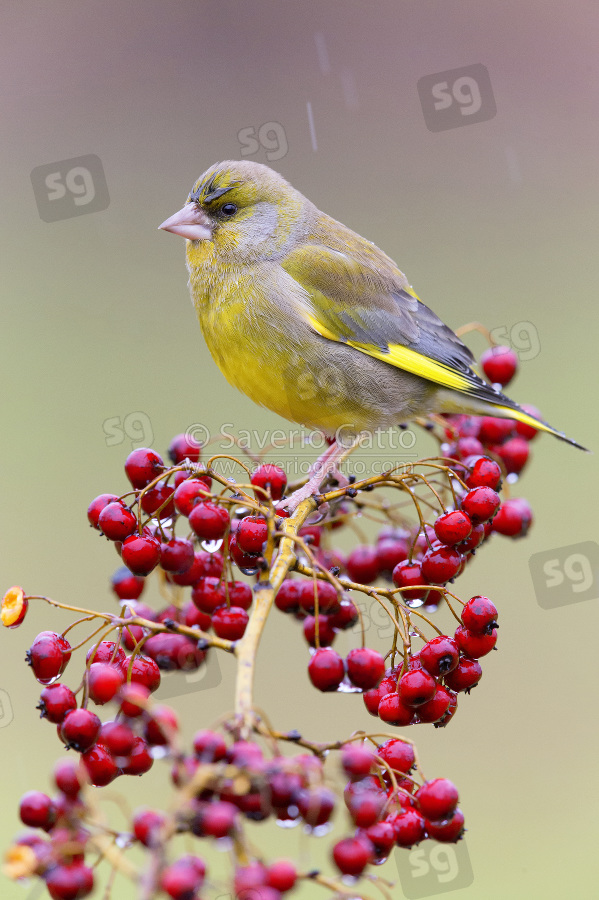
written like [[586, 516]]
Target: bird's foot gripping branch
[[223, 556]]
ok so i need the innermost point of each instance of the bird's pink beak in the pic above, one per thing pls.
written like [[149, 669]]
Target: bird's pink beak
[[190, 222]]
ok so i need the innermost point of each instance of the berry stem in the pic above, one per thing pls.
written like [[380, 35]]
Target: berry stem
[[246, 648]]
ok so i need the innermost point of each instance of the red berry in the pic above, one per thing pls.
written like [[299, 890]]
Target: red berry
[[48, 656], [251, 534], [147, 826], [104, 680], [440, 564], [176, 555], [382, 837], [440, 655], [499, 364], [405, 575], [204, 565], [56, 700], [143, 670], [352, 855], [249, 563], [158, 501], [189, 493], [514, 518], [409, 826], [365, 667], [316, 805], [477, 536], [140, 761], [80, 729], [100, 765], [248, 879], [116, 521], [162, 726], [398, 754], [321, 591], [465, 676], [271, 479], [346, 616], [495, 430], [230, 622], [142, 466], [453, 527], [394, 711], [312, 535], [357, 761], [326, 669], [37, 810], [484, 472], [218, 819], [326, 632], [467, 446], [435, 709], [182, 447], [389, 552], [416, 687], [134, 700], [209, 746], [481, 504], [174, 652], [191, 616], [126, 585], [365, 807], [105, 651], [69, 882], [437, 799], [141, 553], [208, 594], [182, 878], [96, 507], [362, 564], [117, 737], [447, 832], [282, 875], [209, 521], [475, 645], [514, 454], [479, 615], [240, 594], [67, 777]]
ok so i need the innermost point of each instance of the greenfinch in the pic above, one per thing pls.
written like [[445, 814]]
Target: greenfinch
[[313, 321]]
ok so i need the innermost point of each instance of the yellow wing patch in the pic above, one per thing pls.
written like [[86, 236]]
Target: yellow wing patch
[[404, 358]]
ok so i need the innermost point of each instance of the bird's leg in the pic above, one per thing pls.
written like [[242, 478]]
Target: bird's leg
[[325, 465]]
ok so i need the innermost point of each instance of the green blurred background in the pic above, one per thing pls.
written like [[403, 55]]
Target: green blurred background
[[494, 221]]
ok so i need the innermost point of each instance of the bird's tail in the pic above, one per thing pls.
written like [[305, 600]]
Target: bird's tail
[[494, 403]]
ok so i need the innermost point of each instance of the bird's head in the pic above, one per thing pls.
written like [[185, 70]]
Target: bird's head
[[245, 209]]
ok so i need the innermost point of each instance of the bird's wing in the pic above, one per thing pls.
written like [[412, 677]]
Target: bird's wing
[[351, 299]]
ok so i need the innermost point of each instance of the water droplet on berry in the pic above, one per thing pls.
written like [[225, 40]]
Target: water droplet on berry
[[346, 687], [512, 478], [319, 830], [212, 546], [414, 603], [289, 823], [159, 751]]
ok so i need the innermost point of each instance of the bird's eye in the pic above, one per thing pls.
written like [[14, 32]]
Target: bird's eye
[[228, 210]]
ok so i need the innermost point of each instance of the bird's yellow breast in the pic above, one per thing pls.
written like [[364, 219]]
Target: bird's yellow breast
[[263, 348]]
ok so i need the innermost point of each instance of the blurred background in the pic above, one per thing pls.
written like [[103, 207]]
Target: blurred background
[[460, 138]]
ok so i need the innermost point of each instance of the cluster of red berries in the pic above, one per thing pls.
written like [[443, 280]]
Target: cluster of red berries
[[220, 543], [385, 806], [425, 686]]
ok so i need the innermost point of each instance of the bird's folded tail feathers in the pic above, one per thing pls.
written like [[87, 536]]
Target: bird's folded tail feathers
[[464, 381]]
